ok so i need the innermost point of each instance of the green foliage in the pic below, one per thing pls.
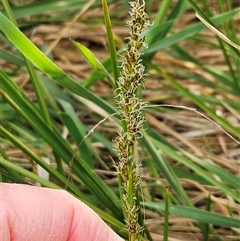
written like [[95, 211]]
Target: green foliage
[[197, 214]]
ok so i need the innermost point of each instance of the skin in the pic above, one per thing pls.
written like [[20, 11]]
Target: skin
[[34, 213]]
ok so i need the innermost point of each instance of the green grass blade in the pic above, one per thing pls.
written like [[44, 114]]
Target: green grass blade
[[95, 76], [89, 56], [226, 82], [92, 60], [206, 225], [43, 107], [166, 169], [9, 12], [157, 30], [46, 6], [166, 217], [11, 58], [111, 44], [13, 174], [162, 12], [46, 65], [225, 176], [197, 214], [29, 174], [205, 174], [31, 154], [177, 10], [188, 32]]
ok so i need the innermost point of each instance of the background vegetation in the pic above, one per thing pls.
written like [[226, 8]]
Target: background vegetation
[[58, 115]]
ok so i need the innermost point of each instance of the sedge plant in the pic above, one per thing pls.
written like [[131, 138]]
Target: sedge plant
[[130, 107], [198, 181]]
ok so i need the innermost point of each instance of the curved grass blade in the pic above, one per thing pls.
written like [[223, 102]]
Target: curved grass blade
[[197, 214], [92, 60], [46, 65]]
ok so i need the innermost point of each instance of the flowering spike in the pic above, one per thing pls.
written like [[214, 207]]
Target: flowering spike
[[131, 109]]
